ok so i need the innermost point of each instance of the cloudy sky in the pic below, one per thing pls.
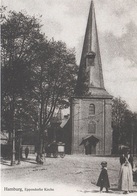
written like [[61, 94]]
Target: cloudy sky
[[117, 29]]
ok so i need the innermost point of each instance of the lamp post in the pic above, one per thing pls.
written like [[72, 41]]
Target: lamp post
[[19, 144], [13, 136], [131, 142], [45, 138], [132, 139], [13, 148]]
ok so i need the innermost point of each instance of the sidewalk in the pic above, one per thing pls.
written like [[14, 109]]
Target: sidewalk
[[30, 162]]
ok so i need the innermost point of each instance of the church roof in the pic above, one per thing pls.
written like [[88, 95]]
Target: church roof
[[64, 122], [91, 47]]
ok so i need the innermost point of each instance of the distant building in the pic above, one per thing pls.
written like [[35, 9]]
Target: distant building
[[90, 114], [67, 133], [4, 137], [5, 148]]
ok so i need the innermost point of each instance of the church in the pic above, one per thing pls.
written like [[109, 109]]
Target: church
[[90, 112]]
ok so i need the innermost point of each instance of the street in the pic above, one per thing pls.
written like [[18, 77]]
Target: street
[[71, 175]]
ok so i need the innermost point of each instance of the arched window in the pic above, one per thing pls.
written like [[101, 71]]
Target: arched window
[[91, 109], [92, 127]]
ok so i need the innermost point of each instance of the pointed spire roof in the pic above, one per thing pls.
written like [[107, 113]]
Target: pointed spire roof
[[91, 45], [91, 36]]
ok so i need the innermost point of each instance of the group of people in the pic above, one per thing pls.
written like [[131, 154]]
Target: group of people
[[125, 182]]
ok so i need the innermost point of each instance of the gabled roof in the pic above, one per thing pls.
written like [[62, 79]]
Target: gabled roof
[[64, 122], [90, 138], [3, 138]]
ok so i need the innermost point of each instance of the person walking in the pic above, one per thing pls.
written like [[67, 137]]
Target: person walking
[[103, 180], [26, 152], [125, 176]]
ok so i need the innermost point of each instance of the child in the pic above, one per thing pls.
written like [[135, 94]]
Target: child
[[103, 180]]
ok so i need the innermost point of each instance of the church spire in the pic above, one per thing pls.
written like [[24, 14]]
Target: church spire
[[90, 76]]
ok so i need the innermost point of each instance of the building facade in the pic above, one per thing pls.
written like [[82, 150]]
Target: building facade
[[90, 113]]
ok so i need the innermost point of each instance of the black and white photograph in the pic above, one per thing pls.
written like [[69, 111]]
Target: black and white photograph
[[68, 98]]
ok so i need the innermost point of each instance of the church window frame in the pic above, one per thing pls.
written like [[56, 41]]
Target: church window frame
[[91, 109], [92, 127]]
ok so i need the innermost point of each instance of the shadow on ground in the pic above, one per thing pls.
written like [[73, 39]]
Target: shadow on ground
[[29, 161], [5, 162]]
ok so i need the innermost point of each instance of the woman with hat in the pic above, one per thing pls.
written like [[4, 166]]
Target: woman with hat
[[125, 176], [103, 180]]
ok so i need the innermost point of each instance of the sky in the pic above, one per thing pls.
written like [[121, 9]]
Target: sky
[[117, 30]]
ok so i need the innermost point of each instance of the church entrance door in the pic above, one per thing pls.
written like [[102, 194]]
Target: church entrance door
[[90, 148], [93, 149], [90, 143]]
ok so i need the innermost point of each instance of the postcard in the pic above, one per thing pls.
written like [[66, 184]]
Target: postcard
[[68, 97]]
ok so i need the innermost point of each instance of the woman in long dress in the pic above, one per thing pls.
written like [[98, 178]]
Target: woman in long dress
[[125, 175]]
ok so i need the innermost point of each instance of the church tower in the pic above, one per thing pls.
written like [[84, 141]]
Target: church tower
[[91, 105]]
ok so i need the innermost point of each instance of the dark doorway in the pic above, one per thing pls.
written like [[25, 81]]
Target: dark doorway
[[93, 149], [89, 143], [90, 148]]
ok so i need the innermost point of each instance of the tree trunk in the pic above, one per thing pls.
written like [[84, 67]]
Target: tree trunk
[[40, 155]]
